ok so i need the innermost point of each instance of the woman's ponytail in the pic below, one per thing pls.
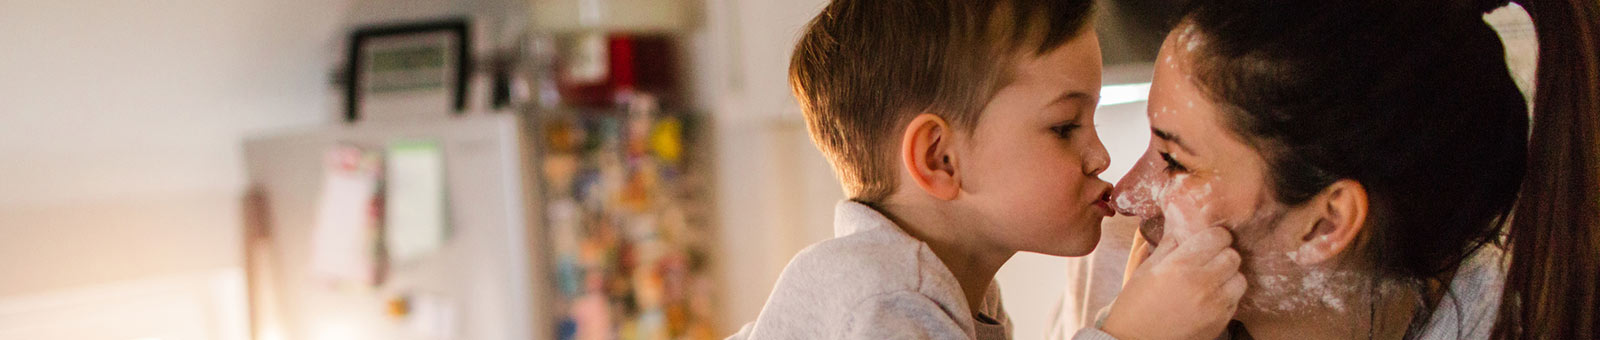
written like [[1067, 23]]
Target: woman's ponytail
[[1553, 283]]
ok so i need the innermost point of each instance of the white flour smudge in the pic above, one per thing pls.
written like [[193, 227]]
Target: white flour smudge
[[1287, 292]]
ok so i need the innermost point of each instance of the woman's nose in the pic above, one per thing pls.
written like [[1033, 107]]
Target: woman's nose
[[1138, 193]]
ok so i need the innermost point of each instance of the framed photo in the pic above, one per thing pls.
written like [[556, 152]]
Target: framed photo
[[413, 71]]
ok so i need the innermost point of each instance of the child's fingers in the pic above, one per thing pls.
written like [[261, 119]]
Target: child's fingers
[[1164, 250], [1233, 290], [1224, 265], [1204, 245]]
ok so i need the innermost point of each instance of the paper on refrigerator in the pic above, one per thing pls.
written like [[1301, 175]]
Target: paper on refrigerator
[[344, 241], [414, 201]]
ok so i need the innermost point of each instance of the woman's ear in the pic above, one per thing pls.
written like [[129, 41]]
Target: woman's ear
[[925, 151], [1341, 214]]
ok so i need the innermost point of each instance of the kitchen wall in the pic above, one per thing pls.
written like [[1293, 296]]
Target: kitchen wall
[[120, 123]]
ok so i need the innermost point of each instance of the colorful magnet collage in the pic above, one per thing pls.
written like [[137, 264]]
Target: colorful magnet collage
[[627, 227]]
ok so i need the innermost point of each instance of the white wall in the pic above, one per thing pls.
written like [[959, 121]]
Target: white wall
[[120, 124], [774, 191], [193, 306]]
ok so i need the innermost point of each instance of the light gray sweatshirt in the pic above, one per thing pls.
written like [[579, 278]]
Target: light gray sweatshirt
[[874, 281]]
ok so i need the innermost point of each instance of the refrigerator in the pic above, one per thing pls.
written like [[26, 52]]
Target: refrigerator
[[571, 225], [479, 283]]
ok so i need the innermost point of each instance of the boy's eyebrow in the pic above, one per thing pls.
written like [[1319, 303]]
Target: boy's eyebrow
[[1070, 95], [1168, 136]]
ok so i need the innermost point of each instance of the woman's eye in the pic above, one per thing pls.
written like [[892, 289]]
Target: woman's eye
[[1064, 131], [1172, 164]]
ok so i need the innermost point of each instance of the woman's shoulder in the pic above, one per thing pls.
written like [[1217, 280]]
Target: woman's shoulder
[[1469, 308]]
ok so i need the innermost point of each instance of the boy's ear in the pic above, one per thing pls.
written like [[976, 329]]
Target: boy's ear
[[925, 150], [1340, 214]]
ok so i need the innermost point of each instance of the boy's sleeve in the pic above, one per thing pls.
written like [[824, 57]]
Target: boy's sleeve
[[1091, 333], [900, 315], [1094, 333]]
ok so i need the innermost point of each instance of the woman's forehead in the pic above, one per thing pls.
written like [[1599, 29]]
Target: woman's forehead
[[1179, 107], [1176, 106]]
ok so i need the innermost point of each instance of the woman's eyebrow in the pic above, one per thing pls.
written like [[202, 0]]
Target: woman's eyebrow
[[1170, 137]]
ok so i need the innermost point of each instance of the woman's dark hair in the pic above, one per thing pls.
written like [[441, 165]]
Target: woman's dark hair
[[1413, 100]]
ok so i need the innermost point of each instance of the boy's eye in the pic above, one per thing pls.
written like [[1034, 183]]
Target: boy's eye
[[1172, 164], [1064, 131]]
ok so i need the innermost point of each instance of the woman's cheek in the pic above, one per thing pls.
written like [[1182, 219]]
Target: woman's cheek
[[1187, 205]]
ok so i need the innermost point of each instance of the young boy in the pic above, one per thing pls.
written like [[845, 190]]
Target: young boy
[[963, 133]]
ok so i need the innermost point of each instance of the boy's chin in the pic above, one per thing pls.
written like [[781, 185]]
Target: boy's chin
[[1079, 244], [1075, 252]]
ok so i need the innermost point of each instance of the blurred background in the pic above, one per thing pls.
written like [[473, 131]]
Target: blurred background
[[410, 169]]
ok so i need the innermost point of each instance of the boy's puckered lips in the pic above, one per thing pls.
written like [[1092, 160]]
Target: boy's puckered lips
[[1104, 204]]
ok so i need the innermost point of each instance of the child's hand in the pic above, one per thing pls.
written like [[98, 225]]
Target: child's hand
[[1187, 289]]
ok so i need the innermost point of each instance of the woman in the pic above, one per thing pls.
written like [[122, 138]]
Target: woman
[[1374, 158]]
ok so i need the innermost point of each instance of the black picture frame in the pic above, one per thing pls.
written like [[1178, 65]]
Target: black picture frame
[[456, 27]]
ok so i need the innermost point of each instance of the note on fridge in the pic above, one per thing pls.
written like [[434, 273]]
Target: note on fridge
[[346, 222], [415, 218]]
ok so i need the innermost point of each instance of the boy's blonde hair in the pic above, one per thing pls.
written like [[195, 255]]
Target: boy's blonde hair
[[864, 68]]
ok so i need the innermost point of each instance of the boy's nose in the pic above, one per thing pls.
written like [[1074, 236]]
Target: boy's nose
[[1138, 193], [1098, 159]]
